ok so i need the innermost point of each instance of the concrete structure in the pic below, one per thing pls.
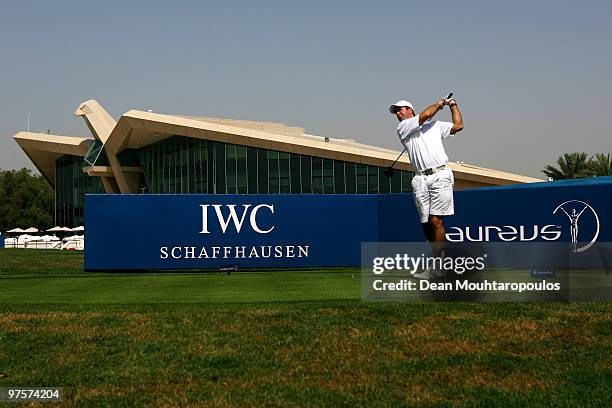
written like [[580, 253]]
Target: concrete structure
[[158, 153]]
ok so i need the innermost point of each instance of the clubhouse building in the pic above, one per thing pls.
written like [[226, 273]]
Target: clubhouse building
[[154, 153]]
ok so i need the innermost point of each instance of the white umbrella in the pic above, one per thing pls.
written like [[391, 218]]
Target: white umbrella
[[77, 229], [16, 231], [31, 230], [56, 229]]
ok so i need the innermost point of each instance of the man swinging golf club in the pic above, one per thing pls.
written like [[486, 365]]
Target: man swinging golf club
[[433, 180]]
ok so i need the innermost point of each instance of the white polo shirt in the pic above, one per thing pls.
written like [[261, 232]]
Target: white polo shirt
[[424, 143]]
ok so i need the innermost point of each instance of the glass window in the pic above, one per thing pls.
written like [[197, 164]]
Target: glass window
[[339, 177], [317, 175], [230, 168], [406, 181], [372, 180], [96, 156], [185, 173], [351, 182], [220, 186], [71, 185], [169, 167], [189, 165], [396, 182], [306, 174], [294, 169], [283, 172], [166, 160], [175, 171], [262, 171], [241, 160], [156, 169], [252, 170], [210, 167], [328, 176], [200, 159], [273, 174], [129, 158], [362, 178]]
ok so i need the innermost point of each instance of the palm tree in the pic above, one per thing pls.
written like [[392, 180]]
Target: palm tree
[[571, 166], [601, 165]]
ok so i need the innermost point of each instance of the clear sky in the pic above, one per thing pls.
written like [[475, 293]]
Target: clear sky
[[532, 77]]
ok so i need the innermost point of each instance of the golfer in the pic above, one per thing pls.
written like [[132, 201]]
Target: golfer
[[432, 184]]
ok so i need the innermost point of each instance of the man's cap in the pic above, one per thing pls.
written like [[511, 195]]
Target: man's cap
[[398, 104]]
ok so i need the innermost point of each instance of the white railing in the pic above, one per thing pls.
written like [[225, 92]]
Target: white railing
[[76, 244]]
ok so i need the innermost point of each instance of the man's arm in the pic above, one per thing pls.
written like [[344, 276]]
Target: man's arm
[[456, 115], [429, 112]]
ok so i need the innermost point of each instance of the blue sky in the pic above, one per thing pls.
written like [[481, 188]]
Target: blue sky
[[532, 80]]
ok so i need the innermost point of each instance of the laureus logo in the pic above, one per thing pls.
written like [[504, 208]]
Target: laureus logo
[[576, 211]]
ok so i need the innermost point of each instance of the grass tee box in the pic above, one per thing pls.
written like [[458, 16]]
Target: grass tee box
[[173, 232], [285, 339]]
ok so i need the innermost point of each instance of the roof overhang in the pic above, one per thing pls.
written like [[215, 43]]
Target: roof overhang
[[44, 149]]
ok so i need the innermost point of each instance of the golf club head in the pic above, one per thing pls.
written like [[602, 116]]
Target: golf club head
[[389, 172]]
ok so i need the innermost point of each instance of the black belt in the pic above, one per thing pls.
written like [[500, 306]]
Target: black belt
[[429, 172]]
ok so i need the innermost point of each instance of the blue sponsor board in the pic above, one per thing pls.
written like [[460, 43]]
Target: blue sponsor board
[[136, 232], [208, 231], [1, 241], [574, 211]]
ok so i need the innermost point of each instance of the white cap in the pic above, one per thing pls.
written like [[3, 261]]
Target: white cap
[[400, 103]]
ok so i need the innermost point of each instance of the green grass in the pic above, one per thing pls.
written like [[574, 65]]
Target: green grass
[[38, 262], [286, 338]]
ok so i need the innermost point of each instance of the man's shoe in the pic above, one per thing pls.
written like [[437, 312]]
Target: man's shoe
[[429, 274]]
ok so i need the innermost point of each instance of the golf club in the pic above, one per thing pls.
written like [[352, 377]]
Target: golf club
[[389, 170]]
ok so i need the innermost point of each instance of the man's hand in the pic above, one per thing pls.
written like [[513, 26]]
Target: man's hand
[[450, 102]]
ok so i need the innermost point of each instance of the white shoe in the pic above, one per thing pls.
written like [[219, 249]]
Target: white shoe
[[429, 274]]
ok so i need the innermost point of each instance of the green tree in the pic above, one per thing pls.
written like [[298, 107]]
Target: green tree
[[571, 166], [601, 165], [25, 200]]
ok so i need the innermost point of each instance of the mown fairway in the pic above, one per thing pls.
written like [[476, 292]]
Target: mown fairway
[[285, 338]]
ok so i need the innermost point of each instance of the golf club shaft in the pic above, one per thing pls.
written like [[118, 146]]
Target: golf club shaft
[[398, 157]]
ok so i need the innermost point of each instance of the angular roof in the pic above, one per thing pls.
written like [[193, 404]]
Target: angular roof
[[136, 129], [44, 149]]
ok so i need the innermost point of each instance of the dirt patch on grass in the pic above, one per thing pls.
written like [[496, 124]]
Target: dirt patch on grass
[[528, 332], [266, 312], [586, 316], [419, 393], [515, 382], [520, 330], [447, 346], [15, 317]]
